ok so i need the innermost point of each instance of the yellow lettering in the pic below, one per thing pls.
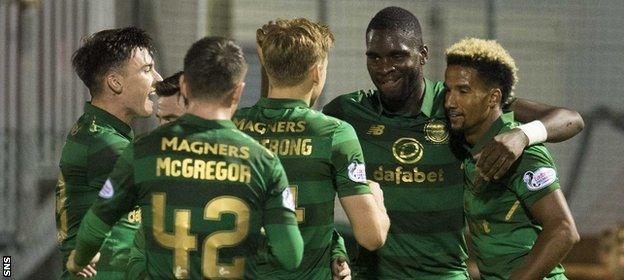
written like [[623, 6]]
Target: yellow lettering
[[197, 147], [431, 176], [301, 126], [184, 146], [175, 168], [163, 164], [173, 143], [244, 152], [199, 169]]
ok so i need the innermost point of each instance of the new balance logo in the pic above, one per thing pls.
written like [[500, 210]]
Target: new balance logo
[[376, 129]]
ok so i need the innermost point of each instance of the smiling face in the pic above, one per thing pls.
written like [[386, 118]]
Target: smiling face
[[139, 81], [468, 100], [394, 61]]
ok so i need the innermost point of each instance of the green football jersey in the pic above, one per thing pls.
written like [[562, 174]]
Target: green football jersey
[[205, 190], [322, 157], [89, 154], [411, 158], [499, 217]]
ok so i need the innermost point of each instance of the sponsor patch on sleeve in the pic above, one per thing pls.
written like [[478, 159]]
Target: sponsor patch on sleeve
[[540, 178], [287, 199], [357, 172], [107, 190]]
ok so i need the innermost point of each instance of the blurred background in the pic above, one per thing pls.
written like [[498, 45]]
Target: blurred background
[[569, 53]]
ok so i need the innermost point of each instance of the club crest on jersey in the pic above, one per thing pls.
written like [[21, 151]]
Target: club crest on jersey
[[288, 200], [407, 150], [357, 172], [540, 178], [436, 131], [107, 190], [376, 129]]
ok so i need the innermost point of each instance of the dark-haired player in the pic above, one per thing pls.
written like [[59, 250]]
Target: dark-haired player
[[171, 104], [520, 224], [117, 67], [205, 188], [405, 139]]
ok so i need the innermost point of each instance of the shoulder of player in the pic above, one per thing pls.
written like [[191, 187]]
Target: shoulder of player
[[352, 97]]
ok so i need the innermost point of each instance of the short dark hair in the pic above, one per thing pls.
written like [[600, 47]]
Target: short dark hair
[[169, 86], [213, 66], [395, 18], [105, 50], [493, 63]]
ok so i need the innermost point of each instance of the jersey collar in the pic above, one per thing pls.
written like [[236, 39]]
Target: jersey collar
[[209, 124], [427, 105], [278, 103], [103, 117], [502, 121]]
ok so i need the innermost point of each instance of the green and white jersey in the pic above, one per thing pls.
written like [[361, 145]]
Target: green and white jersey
[[205, 190], [499, 217], [411, 158], [322, 157], [89, 154]]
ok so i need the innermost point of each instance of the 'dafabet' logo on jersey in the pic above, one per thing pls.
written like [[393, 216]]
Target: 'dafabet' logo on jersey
[[407, 150], [436, 131]]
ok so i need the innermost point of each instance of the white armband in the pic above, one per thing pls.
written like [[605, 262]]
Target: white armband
[[535, 131]]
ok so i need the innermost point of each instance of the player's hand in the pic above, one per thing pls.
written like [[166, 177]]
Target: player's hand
[[500, 153], [340, 269], [86, 271], [377, 193]]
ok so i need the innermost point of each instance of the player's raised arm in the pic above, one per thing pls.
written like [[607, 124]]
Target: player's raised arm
[[558, 236], [115, 199], [280, 222]]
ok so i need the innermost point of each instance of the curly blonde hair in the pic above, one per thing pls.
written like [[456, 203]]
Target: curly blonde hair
[[291, 47], [490, 59]]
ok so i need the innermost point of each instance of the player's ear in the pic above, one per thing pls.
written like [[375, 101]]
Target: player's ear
[[237, 92], [315, 73], [115, 81], [424, 54], [495, 97], [183, 87]]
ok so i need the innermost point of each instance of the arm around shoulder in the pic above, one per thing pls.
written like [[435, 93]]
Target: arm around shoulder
[[560, 123]]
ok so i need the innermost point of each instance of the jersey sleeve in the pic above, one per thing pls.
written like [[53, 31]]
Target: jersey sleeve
[[338, 249], [279, 207], [118, 195], [333, 108], [536, 175], [348, 162], [102, 156]]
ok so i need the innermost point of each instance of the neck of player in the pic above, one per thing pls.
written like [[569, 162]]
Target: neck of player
[[211, 110], [410, 106], [475, 133], [303, 91], [113, 108]]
